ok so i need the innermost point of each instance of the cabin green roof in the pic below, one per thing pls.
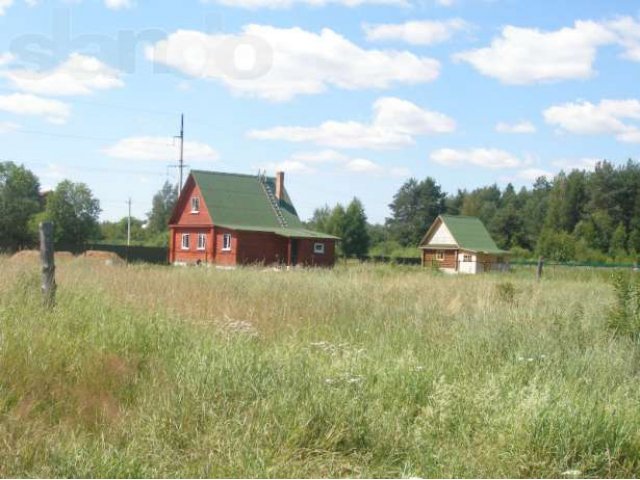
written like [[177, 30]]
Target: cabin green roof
[[239, 202], [469, 233]]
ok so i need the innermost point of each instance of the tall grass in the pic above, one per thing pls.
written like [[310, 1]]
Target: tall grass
[[367, 371]]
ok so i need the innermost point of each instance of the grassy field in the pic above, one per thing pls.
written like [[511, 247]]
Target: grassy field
[[373, 371]]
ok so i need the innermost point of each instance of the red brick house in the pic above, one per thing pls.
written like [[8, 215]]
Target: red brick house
[[233, 219]]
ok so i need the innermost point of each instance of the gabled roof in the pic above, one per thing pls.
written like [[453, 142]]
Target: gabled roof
[[239, 202], [469, 233]]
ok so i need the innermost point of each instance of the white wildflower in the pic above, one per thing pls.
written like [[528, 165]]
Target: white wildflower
[[572, 473]]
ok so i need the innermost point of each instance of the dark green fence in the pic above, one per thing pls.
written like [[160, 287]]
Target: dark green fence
[[157, 255], [392, 260], [551, 263]]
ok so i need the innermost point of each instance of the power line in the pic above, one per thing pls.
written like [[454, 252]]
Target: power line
[[113, 106], [81, 137], [84, 168]]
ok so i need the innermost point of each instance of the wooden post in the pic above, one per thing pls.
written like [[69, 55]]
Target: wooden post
[[48, 264], [540, 267]]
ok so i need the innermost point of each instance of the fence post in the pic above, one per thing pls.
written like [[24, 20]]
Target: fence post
[[540, 267], [48, 264]]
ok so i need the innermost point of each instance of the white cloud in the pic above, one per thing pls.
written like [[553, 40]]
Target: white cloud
[[332, 161], [78, 75], [4, 5], [422, 32], [606, 117], [273, 4], [568, 164], [480, 157], [159, 149], [6, 58], [8, 127], [362, 165], [532, 174], [112, 4], [278, 64], [519, 127], [395, 124], [118, 4], [628, 31], [22, 104], [527, 55], [291, 166]]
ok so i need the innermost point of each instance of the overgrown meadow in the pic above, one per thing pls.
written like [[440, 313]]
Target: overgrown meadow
[[362, 371]]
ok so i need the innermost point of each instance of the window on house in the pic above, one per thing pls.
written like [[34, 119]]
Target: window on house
[[467, 258], [202, 241], [440, 255], [318, 248], [185, 241], [195, 204], [226, 242]]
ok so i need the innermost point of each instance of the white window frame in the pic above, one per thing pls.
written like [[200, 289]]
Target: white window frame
[[226, 242], [319, 248], [440, 255], [195, 204], [467, 258], [202, 241], [186, 245]]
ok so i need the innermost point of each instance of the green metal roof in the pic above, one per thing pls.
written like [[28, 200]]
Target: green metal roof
[[470, 234], [239, 202]]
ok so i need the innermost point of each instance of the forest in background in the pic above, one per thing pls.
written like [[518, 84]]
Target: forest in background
[[581, 215]]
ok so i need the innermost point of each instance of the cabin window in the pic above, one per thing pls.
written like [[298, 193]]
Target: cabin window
[[318, 248], [467, 258], [440, 255], [202, 241], [226, 242], [185, 241], [195, 204]]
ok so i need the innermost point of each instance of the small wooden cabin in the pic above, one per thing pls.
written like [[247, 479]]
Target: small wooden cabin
[[233, 219], [459, 244]]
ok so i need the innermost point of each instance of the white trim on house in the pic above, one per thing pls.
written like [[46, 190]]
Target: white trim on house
[[195, 204], [226, 242], [202, 241], [319, 248], [186, 241]]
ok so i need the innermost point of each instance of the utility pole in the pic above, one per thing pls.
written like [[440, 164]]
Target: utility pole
[[129, 224], [48, 264], [181, 164]]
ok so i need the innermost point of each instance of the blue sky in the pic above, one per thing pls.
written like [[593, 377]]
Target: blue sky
[[349, 97]]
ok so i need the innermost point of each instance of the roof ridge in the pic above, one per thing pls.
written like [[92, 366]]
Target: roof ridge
[[231, 174], [450, 215]]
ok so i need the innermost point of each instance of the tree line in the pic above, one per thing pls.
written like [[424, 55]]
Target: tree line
[[75, 212], [580, 215]]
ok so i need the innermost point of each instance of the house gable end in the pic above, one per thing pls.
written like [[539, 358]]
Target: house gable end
[[438, 235], [183, 213], [442, 236]]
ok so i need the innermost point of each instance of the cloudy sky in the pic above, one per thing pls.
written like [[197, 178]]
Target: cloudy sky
[[349, 97]]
